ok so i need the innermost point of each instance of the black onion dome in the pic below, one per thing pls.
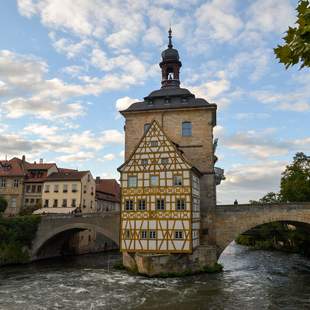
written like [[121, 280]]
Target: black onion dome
[[170, 54]]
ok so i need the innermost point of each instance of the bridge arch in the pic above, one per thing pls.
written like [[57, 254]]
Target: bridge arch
[[50, 228], [229, 223]]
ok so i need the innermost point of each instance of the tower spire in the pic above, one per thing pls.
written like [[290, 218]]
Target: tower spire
[[170, 38]]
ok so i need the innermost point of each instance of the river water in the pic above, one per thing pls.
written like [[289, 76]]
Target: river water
[[251, 280]]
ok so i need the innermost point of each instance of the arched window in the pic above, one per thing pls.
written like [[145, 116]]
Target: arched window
[[186, 129], [146, 127]]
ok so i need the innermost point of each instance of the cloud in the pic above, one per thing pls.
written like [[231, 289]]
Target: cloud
[[246, 182], [124, 103], [218, 20], [295, 107], [251, 116], [109, 157], [80, 156]]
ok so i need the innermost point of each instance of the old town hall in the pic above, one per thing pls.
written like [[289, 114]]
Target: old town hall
[[168, 177]]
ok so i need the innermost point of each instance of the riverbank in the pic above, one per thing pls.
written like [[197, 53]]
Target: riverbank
[[277, 236]]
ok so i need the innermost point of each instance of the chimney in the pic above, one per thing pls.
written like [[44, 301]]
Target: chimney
[[41, 160], [23, 158], [97, 180]]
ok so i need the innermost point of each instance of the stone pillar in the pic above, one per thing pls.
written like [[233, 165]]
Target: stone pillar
[[207, 194]]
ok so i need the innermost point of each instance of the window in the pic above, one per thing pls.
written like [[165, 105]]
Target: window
[[46, 203], [154, 180], [146, 127], [160, 204], [56, 188], [167, 100], [164, 161], [84, 189], [186, 129], [28, 188], [13, 203], [181, 205], [64, 203], [33, 189], [127, 234], [88, 178], [74, 188], [55, 205], [152, 234], [73, 203], [47, 188], [132, 181], [37, 201], [65, 188], [154, 143], [84, 204], [141, 204], [39, 188], [144, 162], [178, 234], [177, 180], [26, 201], [129, 205], [183, 100], [16, 182], [31, 201], [143, 234], [2, 182]]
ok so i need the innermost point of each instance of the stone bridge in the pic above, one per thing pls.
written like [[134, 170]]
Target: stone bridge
[[227, 222], [51, 226]]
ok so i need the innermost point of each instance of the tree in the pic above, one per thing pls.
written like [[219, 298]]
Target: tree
[[297, 39], [3, 204], [271, 197], [295, 181]]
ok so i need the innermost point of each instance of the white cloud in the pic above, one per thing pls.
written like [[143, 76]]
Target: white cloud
[[124, 103], [295, 107], [218, 20], [112, 136], [80, 156], [246, 182], [251, 116], [270, 16], [109, 157]]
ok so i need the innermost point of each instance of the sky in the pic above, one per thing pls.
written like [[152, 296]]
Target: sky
[[68, 66]]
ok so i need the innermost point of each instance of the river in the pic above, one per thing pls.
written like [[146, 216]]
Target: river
[[251, 280]]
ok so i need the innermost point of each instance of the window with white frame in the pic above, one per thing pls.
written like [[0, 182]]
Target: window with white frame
[[13, 202], [154, 180], [181, 205], [144, 161], [178, 234], [143, 234], [153, 143], [160, 204], [56, 188], [16, 182], [186, 129], [65, 188], [74, 188], [2, 182], [152, 234], [55, 205], [73, 203], [64, 203], [177, 180], [141, 205], [129, 205], [47, 188], [45, 203], [132, 181], [164, 161]]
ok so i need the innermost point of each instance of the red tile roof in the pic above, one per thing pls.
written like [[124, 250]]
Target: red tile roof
[[108, 186], [12, 167], [66, 176], [39, 166]]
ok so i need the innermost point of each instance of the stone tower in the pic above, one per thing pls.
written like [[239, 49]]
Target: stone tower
[[187, 121]]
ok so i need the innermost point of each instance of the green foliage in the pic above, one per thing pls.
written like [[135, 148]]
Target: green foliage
[[3, 204], [271, 197], [297, 40], [295, 181], [16, 235], [28, 210]]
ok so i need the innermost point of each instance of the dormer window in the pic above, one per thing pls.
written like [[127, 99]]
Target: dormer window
[[149, 101], [183, 100], [167, 100]]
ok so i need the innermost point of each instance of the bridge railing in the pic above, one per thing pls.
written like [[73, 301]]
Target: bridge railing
[[83, 215], [236, 207]]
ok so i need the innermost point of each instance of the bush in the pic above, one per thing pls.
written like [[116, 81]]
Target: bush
[[3, 204], [16, 235]]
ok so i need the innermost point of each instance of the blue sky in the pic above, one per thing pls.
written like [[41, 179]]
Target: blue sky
[[67, 67]]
